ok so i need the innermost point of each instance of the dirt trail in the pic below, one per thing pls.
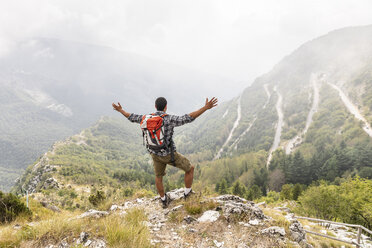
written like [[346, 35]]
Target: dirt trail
[[236, 123], [279, 126], [234, 145], [314, 108], [353, 109], [268, 95]]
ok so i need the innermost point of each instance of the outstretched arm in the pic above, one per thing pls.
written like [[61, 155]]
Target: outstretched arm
[[120, 109], [208, 105], [131, 117]]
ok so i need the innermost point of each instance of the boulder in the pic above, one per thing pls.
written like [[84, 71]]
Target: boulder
[[297, 232], [51, 183], [93, 214], [51, 207], [232, 205], [209, 216], [176, 194], [274, 231]]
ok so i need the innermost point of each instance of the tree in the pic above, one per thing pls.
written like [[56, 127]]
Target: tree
[[296, 191], [298, 171], [238, 189], [366, 172], [286, 193], [276, 180], [254, 193], [217, 187], [223, 187], [260, 179], [330, 169]]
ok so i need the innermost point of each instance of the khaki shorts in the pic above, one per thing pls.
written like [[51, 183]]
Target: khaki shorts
[[160, 163]]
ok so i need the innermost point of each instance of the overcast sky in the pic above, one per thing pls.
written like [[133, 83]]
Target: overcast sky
[[238, 39]]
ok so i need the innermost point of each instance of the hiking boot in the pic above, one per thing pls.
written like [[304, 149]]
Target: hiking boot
[[166, 201], [185, 196]]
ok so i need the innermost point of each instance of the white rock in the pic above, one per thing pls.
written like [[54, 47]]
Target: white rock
[[88, 242], [209, 216], [274, 230], [218, 244], [176, 208], [93, 213], [254, 222], [176, 194], [114, 207]]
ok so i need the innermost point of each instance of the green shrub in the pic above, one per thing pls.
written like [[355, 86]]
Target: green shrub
[[286, 193], [97, 198], [350, 202], [11, 207]]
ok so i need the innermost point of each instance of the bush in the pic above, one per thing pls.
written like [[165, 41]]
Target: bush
[[97, 198], [11, 207], [272, 196], [350, 202], [286, 193]]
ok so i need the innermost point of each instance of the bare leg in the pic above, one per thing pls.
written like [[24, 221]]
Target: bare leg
[[159, 185], [189, 176]]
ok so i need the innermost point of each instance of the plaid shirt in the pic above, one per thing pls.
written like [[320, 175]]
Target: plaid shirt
[[170, 122]]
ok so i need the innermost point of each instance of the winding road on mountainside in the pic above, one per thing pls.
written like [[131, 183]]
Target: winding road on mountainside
[[236, 123], [314, 108], [234, 145], [353, 109], [279, 126], [268, 95]]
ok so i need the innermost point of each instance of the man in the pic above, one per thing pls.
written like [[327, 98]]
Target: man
[[164, 157]]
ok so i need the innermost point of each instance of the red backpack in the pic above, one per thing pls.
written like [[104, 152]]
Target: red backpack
[[153, 132]]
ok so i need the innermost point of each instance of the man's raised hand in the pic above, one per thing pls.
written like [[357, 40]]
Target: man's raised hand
[[117, 107], [212, 103]]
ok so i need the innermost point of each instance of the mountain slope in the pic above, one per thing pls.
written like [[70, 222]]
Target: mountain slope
[[315, 123]]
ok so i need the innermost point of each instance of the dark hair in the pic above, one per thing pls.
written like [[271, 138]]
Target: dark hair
[[160, 103]]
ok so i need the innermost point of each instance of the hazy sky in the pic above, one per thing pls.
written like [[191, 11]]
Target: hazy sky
[[238, 39]]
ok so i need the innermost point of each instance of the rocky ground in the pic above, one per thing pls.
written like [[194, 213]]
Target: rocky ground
[[223, 221]]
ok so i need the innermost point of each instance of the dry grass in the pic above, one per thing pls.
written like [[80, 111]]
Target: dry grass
[[129, 231], [196, 205], [176, 217], [119, 231]]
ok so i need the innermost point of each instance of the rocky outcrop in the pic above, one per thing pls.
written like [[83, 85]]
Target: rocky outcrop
[[232, 206], [38, 172], [49, 206], [93, 214], [50, 183], [274, 231], [297, 232]]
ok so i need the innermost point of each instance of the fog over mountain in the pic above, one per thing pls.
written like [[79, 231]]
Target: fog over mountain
[[239, 40]]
